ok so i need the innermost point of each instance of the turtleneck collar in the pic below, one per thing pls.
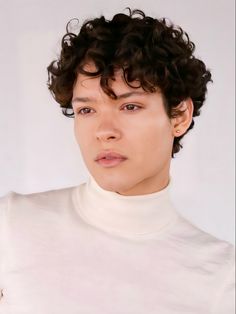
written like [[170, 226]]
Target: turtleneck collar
[[127, 216]]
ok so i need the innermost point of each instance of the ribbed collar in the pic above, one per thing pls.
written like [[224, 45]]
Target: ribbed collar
[[127, 216]]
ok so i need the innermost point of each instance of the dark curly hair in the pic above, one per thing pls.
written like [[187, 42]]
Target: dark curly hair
[[153, 51]]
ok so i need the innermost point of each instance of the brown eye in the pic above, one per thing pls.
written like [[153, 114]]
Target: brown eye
[[84, 111], [130, 107]]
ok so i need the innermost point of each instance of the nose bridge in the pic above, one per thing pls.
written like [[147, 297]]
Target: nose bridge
[[107, 124]]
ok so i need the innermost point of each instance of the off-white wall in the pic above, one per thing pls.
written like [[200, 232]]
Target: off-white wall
[[38, 149]]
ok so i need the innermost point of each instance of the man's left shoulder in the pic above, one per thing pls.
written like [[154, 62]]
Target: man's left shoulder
[[204, 245]]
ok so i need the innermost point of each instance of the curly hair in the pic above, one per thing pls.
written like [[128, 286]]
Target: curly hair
[[154, 52]]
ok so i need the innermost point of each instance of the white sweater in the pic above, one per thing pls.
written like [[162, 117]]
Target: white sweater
[[85, 250]]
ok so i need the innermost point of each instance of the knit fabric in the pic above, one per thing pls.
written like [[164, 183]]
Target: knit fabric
[[85, 250]]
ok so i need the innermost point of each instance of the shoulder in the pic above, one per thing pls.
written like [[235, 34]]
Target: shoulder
[[4, 205], [213, 253], [15, 204], [210, 258], [4, 200]]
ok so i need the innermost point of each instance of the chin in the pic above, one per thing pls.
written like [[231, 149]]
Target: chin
[[111, 183], [109, 186]]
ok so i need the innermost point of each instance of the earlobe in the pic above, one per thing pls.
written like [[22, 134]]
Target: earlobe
[[181, 123]]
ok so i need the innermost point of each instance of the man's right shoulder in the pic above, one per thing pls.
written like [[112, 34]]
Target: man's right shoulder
[[13, 202], [4, 201]]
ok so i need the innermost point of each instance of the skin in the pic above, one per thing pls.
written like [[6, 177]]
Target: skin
[[135, 126]]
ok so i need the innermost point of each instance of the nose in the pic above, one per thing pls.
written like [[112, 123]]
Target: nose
[[107, 130]]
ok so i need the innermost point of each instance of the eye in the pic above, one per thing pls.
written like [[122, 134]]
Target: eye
[[84, 111], [130, 107]]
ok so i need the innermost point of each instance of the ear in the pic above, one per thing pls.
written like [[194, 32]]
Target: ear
[[181, 123]]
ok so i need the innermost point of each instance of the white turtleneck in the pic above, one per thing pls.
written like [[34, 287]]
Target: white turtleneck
[[138, 216], [85, 250]]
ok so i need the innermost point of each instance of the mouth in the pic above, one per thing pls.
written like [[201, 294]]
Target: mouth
[[110, 162], [109, 155]]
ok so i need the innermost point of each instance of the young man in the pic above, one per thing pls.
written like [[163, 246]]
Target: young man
[[116, 244]]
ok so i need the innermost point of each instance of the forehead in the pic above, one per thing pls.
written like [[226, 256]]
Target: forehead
[[86, 83]]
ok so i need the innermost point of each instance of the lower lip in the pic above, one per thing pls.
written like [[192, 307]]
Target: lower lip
[[110, 162]]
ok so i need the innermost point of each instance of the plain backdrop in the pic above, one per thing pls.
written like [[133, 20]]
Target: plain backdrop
[[38, 148]]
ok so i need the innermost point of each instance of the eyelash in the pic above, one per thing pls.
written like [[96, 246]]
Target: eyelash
[[79, 111]]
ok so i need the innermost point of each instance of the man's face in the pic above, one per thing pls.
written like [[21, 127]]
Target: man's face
[[135, 126]]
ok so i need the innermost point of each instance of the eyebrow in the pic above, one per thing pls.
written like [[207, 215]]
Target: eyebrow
[[125, 95]]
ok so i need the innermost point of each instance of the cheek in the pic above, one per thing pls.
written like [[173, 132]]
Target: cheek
[[155, 138], [82, 137]]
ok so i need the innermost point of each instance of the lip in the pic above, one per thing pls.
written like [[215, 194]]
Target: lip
[[114, 159], [107, 163], [109, 154]]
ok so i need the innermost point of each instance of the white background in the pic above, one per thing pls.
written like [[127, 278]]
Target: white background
[[38, 148]]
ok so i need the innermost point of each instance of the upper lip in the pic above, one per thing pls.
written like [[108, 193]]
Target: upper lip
[[110, 154]]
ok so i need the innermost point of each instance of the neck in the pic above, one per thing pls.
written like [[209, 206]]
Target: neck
[[126, 216]]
